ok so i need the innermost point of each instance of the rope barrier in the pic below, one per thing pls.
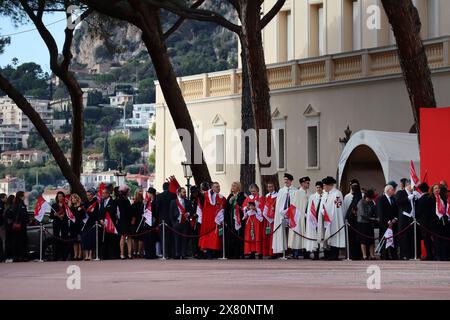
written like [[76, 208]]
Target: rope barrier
[[433, 233], [190, 235], [375, 238]]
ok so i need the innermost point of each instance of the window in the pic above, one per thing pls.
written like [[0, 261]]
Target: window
[[313, 144], [433, 18], [356, 12], [286, 36], [220, 153], [279, 138], [317, 30]]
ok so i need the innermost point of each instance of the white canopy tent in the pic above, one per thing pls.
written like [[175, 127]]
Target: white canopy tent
[[394, 150]]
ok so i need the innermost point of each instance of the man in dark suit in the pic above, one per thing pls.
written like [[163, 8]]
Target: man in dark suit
[[163, 201], [179, 215], [405, 200], [110, 242], [387, 212]]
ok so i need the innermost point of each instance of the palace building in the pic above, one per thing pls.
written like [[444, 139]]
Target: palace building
[[339, 102]]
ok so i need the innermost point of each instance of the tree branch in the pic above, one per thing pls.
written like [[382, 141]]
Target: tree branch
[[272, 13], [181, 20], [196, 14]]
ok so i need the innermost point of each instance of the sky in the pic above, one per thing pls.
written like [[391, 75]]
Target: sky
[[28, 46]]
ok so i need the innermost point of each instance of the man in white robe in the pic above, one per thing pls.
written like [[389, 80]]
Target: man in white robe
[[331, 220], [284, 199], [295, 241], [312, 222]]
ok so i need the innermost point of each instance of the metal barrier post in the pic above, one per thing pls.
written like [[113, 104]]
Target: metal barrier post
[[223, 241], [41, 229], [347, 240], [164, 240], [415, 239], [96, 242]]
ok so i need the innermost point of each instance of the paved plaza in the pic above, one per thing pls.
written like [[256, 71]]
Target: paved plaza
[[200, 279]]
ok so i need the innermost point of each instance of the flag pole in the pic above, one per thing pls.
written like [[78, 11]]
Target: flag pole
[[347, 240], [41, 227], [142, 219], [96, 242], [223, 241]]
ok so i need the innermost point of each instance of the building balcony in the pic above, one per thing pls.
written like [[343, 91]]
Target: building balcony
[[329, 69]]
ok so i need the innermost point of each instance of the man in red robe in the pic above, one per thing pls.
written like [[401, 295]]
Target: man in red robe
[[212, 218], [269, 216]]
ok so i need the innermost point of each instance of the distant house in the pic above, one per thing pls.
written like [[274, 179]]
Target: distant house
[[143, 116], [120, 100], [93, 163], [11, 185], [143, 181], [7, 158]]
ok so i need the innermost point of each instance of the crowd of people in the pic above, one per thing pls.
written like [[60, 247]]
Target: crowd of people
[[292, 222]]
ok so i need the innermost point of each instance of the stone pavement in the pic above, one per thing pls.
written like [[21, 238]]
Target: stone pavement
[[249, 279]]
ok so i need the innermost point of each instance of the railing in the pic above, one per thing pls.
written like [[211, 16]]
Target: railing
[[326, 69]]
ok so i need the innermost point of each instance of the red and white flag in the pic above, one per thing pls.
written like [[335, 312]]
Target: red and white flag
[[148, 215], [313, 214], [100, 192], [184, 215], [292, 214], [440, 207], [41, 208], [173, 184], [326, 218], [109, 224], [199, 211], [237, 218], [413, 175], [389, 236]]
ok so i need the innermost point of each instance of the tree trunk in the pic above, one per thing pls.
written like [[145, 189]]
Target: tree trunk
[[248, 167], [46, 135], [152, 37], [404, 19], [259, 87], [76, 96]]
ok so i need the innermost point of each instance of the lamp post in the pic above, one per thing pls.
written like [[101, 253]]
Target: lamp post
[[187, 171]]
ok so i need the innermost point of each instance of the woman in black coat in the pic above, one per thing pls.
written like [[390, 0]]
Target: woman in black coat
[[19, 228], [88, 235], [234, 247], [60, 227], [79, 213], [125, 217], [137, 210]]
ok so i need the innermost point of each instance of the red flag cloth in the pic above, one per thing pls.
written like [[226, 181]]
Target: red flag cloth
[[100, 192], [412, 172], [173, 184], [290, 214], [326, 217], [267, 227], [237, 217], [41, 208], [91, 208], [109, 224]]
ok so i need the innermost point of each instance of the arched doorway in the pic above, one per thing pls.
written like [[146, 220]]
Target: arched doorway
[[363, 164]]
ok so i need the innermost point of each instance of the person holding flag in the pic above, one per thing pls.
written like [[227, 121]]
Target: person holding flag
[[269, 216], [108, 219], [179, 214], [60, 227], [387, 212], [312, 221], [149, 222], [283, 203], [89, 220], [331, 218], [295, 241]]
